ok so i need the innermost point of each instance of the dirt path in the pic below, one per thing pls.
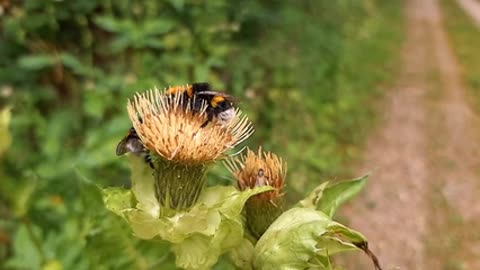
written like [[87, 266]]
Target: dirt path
[[420, 210], [472, 8]]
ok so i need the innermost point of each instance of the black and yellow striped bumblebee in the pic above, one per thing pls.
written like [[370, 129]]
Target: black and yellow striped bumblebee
[[220, 106]]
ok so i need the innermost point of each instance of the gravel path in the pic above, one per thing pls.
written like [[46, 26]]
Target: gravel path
[[423, 160]]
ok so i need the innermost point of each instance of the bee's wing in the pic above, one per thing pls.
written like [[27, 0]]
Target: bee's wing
[[122, 147], [224, 95]]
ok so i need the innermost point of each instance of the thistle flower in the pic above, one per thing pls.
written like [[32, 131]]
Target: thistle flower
[[257, 170], [170, 127]]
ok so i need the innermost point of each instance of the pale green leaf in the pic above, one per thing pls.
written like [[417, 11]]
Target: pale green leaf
[[37, 61], [202, 252], [177, 4], [212, 227], [300, 237], [142, 185], [111, 24], [242, 255], [335, 195], [145, 226], [72, 62], [195, 253], [311, 201], [117, 200], [157, 26], [26, 254]]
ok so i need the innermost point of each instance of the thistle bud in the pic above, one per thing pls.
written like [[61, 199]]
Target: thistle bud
[[182, 147], [258, 170]]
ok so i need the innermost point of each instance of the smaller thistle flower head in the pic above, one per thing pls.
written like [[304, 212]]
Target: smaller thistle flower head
[[257, 170], [171, 127]]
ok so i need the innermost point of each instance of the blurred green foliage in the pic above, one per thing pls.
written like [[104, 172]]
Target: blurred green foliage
[[307, 74]]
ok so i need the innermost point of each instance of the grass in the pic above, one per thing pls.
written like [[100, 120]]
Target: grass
[[465, 38]]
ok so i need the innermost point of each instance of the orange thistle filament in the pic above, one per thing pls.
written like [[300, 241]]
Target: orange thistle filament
[[257, 170]]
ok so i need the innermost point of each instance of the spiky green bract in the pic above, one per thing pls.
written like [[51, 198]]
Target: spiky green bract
[[328, 198], [178, 186], [303, 238], [260, 214], [199, 235]]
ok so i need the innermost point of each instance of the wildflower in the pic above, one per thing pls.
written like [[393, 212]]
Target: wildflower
[[182, 147], [258, 170]]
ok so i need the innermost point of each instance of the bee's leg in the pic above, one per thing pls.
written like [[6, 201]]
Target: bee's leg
[[148, 159], [209, 119]]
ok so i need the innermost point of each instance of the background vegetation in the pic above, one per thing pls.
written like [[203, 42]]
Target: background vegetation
[[306, 72], [465, 38]]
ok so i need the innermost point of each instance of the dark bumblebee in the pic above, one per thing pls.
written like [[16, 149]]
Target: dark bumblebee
[[132, 144], [220, 105]]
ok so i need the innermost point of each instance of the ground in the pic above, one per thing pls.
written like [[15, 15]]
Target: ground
[[421, 209]]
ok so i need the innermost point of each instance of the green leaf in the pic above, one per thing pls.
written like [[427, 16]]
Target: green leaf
[[337, 194], [37, 61], [200, 235], [118, 200], [111, 24], [24, 195], [177, 4], [73, 63], [327, 198], [157, 26], [200, 252], [26, 253], [242, 255], [302, 238], [312, 200], [142, 185]]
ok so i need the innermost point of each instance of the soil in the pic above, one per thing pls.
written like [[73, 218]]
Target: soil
[[421, 209]]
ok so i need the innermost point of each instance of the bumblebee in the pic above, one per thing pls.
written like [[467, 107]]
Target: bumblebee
[[131, 143], [220, 105]]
